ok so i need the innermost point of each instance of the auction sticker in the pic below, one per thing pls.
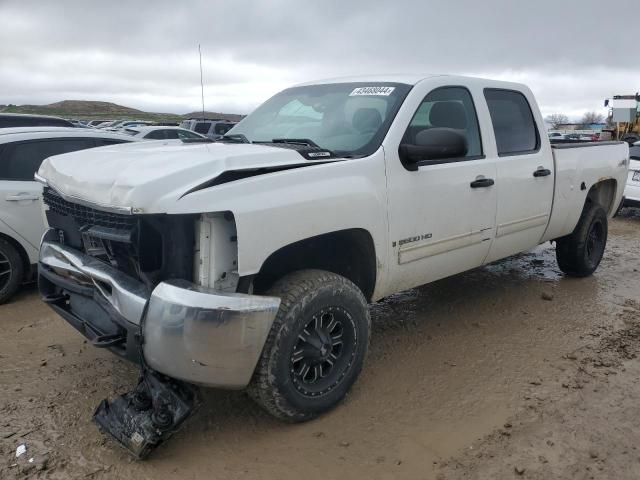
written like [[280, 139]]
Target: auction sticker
[[363, 91]]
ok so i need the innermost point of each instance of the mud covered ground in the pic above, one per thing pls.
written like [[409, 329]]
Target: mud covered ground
[[509, 371]]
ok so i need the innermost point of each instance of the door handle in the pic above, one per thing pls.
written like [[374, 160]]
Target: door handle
[[482, 183], [542, 172], [21, 196]]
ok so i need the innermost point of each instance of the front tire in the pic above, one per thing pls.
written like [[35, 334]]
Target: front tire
[[11, 270], [580, 253], [316, 347]]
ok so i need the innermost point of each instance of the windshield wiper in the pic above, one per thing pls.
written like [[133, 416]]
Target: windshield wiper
[[236, 137]]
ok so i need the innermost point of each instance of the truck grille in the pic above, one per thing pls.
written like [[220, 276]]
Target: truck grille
[[86, 215]]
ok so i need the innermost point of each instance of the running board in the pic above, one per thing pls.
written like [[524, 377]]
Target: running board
[[142, 419]]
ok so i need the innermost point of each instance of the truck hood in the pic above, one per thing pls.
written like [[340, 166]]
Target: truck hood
[[145, 176]]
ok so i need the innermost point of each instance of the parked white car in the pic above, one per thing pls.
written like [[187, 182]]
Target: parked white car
[[127, 124], [22, 150], [250, 262], [632, 189], [163, 133]]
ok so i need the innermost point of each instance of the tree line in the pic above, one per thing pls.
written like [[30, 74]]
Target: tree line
[[558, 119]]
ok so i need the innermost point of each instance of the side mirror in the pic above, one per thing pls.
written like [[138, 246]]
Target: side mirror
[[433, 144]]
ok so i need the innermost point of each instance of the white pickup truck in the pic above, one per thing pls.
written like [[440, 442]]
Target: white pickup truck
[[249, 263]]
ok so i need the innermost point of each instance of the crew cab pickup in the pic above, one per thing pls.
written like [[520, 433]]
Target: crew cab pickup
[[249, 263]]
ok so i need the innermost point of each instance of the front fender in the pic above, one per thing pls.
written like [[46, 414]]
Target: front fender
[[278, 208]]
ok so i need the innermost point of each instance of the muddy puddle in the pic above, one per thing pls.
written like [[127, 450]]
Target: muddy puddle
[[449, 364]]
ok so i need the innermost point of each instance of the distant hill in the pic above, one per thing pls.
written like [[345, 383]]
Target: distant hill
[[92, 110]]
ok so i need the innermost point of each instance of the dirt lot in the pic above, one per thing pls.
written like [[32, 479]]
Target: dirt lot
[[509, 371]]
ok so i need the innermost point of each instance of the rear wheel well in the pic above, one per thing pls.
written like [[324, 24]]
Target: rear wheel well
[[21, 251], [350, 253], [604, 194]]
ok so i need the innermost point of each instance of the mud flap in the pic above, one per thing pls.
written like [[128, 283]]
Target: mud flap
[[142, 419]]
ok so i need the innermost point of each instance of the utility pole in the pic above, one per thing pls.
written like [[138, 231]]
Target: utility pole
[[201, 82]]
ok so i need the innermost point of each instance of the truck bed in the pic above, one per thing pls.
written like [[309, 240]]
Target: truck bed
[[578, 165]]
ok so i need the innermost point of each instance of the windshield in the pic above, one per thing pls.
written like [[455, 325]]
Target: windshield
[[634, 152], [346, 118]]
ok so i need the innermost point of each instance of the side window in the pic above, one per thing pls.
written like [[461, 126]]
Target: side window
[[202, 127], [20, 161], [448, 107], [170, 134], [155, 135], [182, 134], [222, 128], [513, 123]]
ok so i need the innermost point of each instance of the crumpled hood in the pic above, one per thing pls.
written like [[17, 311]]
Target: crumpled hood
[[147, 175]]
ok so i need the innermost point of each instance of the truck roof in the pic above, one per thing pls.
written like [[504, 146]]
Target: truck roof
[[409, 79]]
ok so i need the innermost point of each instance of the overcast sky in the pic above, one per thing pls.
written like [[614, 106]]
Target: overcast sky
[[572, 54]]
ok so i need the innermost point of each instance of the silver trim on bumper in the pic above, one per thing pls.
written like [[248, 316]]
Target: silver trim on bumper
[[189, 332], [214, 338], [125, 294]]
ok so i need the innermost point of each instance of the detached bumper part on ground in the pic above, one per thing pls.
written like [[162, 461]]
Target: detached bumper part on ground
[[179, 330], [142, 419]]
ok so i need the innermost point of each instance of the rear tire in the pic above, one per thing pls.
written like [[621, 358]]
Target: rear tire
[[316, 347], [11, 270], [580, 253]]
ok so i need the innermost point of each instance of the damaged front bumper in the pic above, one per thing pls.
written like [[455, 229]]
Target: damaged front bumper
[[180, 334], [179, 329]]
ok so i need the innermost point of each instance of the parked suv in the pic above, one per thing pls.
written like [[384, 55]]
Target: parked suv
[[22, 150], [212, 128]]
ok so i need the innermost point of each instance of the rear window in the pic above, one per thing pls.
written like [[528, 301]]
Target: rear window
[[513, 124], [20, 161], [202, 127]]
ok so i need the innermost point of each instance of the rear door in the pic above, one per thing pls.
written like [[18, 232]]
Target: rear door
[[525, 173], [20, 207]]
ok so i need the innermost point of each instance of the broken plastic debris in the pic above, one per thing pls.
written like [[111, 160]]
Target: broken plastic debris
[[22, 449]]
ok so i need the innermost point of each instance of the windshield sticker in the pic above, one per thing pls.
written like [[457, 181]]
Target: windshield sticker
[[362, 91]]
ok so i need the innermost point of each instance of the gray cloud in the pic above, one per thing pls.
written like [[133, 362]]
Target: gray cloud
[[145, 55]]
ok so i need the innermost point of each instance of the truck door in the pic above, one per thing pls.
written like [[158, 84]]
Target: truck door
[[524, 171], [441, 213]]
